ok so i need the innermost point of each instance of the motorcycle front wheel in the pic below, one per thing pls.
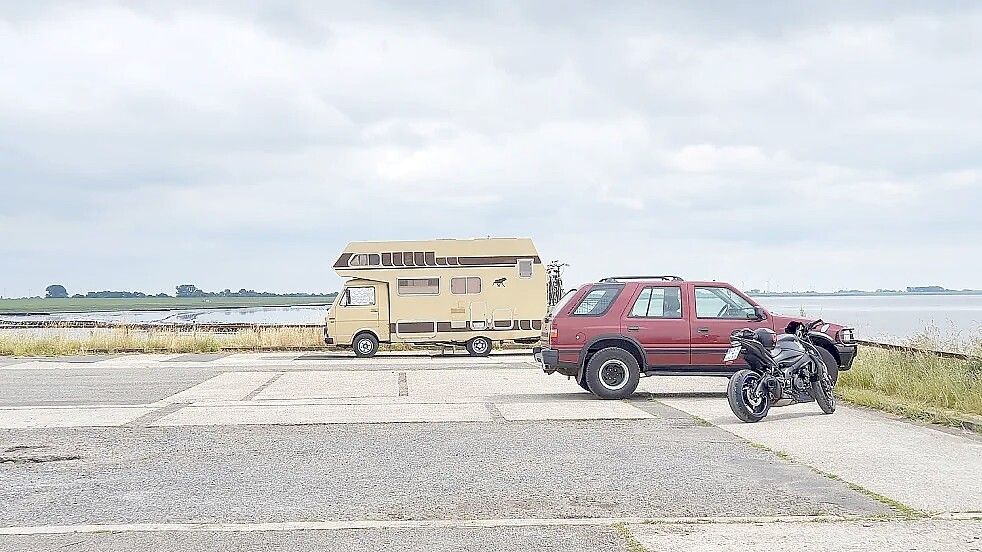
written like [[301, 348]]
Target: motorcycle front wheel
[[822, 391], [746, 399]]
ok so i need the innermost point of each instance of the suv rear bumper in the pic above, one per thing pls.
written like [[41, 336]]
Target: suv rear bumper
[[551, 363], [847, 354]]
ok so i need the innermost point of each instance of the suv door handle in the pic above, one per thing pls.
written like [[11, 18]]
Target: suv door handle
[[633, 328], [374, 310], [703, 330]]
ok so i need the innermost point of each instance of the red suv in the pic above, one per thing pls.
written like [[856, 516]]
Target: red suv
[[609, 334]]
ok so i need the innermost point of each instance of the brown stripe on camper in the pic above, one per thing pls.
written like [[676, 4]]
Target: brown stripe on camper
[[414, 327], [427, 327]]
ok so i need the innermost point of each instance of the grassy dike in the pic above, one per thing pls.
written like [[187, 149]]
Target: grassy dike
[[918, 386]]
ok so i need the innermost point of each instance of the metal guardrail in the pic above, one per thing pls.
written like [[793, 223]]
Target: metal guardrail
[[909, 349]]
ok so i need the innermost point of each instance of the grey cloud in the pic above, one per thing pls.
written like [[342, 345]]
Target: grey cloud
[[147, 142]]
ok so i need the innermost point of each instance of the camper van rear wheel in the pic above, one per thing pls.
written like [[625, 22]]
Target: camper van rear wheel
[[479, 346], [365, 345]]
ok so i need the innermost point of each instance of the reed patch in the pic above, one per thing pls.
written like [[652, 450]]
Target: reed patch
[[916, 385]]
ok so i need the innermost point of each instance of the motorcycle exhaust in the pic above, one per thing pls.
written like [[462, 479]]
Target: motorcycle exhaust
[[773, 388]]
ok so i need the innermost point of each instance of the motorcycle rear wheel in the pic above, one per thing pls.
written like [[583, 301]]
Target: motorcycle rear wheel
[[742, 393], [822, 391]]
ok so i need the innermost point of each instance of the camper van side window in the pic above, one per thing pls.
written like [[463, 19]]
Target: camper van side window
[[465, 286], [360, 296], [419, 286], [524, 268], [364, 259]]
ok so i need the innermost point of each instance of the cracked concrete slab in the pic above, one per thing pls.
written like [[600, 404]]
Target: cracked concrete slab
[[571, 410], [328, 384], [74, 416], [228, 386], [266, 413]]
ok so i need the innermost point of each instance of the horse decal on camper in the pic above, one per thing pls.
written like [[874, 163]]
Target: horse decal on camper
[[500, 282]]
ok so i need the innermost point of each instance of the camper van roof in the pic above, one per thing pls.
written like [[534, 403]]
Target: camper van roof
[[379, 255]]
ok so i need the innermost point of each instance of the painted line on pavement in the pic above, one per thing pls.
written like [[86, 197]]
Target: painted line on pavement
[[399, 524]]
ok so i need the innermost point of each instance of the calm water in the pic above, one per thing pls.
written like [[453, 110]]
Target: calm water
[[247, 315], [881, 318], [950, 317]]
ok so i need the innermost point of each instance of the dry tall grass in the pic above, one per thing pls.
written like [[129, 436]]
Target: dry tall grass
[[917, 385], [121, 340]]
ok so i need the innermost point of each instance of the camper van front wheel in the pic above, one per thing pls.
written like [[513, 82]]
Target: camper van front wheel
[[479, 346], [365, 345]]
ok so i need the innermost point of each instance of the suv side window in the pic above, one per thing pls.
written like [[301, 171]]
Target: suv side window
[[658, 302], [720, 302], [597, 301]]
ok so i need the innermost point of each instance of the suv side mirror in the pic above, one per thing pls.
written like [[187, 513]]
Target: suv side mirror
[[758, 314]]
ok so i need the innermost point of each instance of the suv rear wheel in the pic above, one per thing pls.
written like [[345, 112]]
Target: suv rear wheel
[[612, 373]]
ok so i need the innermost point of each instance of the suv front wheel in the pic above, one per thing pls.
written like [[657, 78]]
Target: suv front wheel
[[612, 373]]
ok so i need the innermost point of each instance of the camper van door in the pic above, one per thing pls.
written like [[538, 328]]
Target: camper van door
[[364, 306]]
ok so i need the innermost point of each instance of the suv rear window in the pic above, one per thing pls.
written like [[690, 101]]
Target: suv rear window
[[597, 301]]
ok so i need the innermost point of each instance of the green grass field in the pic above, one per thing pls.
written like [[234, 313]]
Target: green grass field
[[916, 385], [12, 306]]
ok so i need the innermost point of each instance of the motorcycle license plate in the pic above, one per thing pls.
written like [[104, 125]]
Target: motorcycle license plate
[[732, 354]]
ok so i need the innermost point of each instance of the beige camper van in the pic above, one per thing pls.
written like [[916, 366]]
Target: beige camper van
[[472, 292]]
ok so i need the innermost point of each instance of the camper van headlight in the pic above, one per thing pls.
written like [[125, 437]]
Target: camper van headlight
[[847, 335]]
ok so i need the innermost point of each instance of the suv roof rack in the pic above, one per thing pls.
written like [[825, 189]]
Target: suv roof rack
[[619, 278]]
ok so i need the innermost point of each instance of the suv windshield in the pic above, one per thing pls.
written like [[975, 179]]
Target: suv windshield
[[597, 300]]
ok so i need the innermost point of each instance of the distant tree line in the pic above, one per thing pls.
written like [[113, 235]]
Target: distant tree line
[[190, 290], [58, 291]]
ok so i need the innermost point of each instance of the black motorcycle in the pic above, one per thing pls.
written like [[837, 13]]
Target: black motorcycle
[[782, 370]]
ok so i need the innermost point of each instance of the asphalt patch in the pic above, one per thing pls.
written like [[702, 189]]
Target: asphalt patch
[[79, 359], [197, 357]]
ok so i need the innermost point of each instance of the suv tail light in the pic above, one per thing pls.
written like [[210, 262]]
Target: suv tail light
[[553, 335]]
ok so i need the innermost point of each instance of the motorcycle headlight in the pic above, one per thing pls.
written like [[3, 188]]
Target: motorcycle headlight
[[847, 335]]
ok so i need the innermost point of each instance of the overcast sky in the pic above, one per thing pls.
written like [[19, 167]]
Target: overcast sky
[[817, 145]]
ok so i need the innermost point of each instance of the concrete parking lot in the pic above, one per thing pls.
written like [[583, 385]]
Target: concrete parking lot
[[294, 451]]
